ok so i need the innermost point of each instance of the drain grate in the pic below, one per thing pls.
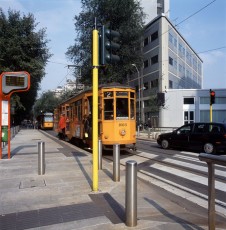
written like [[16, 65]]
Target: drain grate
[[31, 183]]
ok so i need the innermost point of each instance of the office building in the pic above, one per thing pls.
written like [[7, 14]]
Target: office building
[[169, 62]]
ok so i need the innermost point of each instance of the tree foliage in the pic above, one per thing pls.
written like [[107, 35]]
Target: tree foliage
[[126, 17], [23, 48], [47, 102]]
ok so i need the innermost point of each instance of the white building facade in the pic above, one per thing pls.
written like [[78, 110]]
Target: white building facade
[[169, 62], [191, 105]]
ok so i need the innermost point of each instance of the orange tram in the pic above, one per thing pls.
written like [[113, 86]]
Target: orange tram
[[45, 121], [116, 116]]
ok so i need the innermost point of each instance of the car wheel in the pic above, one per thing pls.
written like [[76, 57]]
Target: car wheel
[[209, 148], [165, 144]]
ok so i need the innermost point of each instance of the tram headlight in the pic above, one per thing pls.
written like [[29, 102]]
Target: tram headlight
[[122, 132]]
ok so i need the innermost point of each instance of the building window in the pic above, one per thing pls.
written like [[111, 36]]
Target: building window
[[170, 61], [154, 36], [145, 85], [146, 41], [180, 68], [175, 42], [137, 88], [204, 100], [189, 100], [218, 115], [154, 83], [145, 63], [170, 84], [218, 100], [170, 37], [180, 47], [154, 60], [199, 68], [175, 64], [183, 51], [188, 117], [194, 64]]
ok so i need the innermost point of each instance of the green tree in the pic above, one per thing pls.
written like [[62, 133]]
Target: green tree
[[23, 48], [46, 103], [126, 17]]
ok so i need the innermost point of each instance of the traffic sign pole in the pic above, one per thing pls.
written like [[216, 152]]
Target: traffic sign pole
[[10, 82], [95, 107]]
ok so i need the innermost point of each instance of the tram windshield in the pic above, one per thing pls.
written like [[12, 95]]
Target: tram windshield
[[124, 103], [122, 112], [108, 109], [48, 118]]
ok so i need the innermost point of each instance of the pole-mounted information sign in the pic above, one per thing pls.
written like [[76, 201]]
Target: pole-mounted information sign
[[14, 82], [10, 82]]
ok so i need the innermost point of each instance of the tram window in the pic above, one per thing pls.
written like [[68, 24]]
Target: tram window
[[108, 109], [131, 95], [67, 111], [78, 110], [132, 113], [122, 108], [121, 93]]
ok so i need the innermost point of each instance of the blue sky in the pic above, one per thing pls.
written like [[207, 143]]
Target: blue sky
[[204, 31]]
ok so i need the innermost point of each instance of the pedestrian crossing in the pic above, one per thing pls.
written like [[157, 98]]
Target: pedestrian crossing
[[183, 174]]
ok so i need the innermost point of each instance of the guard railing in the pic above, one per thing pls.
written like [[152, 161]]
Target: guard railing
[[211, 161]]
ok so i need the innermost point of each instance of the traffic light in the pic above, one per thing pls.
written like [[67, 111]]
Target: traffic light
[[108, 46], [212, 97]]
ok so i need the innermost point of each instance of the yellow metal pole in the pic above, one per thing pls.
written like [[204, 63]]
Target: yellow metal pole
[[210, 113], [95, 109]]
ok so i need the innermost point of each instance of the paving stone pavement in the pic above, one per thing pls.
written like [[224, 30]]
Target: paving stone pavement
[[62, 198]]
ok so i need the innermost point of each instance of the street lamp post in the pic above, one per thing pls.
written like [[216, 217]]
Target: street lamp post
[[139, 92]]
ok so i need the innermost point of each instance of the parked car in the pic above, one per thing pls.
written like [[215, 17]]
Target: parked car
[[207, 137]]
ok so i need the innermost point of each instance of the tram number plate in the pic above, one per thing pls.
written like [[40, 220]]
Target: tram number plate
[[122, 124]]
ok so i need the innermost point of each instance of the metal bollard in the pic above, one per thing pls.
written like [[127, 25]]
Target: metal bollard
[[99, 154], [116, 162], [211, 195], [41, 158], [131, 193]]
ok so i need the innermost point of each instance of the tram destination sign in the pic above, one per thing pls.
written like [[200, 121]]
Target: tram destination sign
[[14, 81]]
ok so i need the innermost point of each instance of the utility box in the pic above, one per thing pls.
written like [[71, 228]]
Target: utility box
[[4, 133]]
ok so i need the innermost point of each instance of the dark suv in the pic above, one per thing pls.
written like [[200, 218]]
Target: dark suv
[[207, 137]]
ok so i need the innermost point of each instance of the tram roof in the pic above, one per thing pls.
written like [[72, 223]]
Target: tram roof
[[103, 86]]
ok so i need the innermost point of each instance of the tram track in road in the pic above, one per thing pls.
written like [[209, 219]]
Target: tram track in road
[[174, 171]]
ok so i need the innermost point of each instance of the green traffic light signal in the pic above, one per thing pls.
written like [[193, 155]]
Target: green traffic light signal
[[108, 46]]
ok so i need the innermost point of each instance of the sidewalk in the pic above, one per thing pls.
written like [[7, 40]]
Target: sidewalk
[[62, 198]]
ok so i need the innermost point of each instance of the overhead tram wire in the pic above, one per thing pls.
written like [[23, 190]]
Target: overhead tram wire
[[66, 65], [195, 13], [207, 51], [189, 16]]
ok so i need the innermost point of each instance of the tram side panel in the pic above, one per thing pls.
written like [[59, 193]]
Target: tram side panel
[[115, 127]]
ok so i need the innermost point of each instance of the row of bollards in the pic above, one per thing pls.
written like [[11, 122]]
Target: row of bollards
[[131, 179]]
